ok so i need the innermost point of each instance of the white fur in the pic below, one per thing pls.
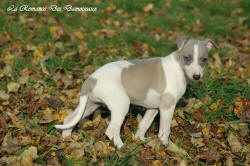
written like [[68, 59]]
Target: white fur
[[152, 100], [145, 123], [194, 68], [79, 112]]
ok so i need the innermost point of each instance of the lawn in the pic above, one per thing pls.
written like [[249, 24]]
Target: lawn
[[45, 56]]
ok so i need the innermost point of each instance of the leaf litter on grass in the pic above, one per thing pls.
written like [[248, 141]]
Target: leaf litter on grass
[[42, 71]]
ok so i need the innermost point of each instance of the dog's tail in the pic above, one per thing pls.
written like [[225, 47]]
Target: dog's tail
[[83, 101]]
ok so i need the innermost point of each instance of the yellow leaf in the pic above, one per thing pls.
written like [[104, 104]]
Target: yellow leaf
[[53, 153], [157, 163], [239, 105], [215, 105], [206, 130], [38, 53], [79, 35], [18, 124], [53, 29]]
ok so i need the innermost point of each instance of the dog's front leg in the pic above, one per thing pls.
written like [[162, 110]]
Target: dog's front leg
[[167, 108], [145, 123]]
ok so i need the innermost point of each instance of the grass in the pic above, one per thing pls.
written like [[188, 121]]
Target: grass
[[218, 20]]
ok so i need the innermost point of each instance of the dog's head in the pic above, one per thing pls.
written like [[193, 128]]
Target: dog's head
[[192, 55]]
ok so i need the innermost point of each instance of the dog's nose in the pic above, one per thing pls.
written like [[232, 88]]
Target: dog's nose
[[196, 77]]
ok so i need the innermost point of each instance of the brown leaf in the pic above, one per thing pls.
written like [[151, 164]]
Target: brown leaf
[[11, 149], [234, 142], [210, 155], [53, 161], [27, 161], [149, 7], [101, 148], [146, 156], [67, 80], [3, 123], [155, 144], [182, 163], [177, 151], [13, 86], [53, 102], [82, 47]]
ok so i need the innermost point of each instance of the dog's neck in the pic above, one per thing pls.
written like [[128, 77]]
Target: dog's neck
[[177, 58]]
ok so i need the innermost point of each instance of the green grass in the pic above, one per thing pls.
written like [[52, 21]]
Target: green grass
[[221, 20]]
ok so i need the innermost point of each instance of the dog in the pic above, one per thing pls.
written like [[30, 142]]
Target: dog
[[156, 84]]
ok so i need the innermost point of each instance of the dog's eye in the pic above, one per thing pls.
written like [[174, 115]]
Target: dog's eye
[[204, 60], [187, 58]]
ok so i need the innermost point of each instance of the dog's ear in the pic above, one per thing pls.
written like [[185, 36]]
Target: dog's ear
[[210, 44], [181, 41]]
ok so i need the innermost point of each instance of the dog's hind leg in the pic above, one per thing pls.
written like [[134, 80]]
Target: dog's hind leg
[[89, 109], [118, 107], [146, 123]]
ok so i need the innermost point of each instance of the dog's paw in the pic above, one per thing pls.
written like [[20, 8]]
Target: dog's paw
[[140, 135], [66, 133], [118, 142], [163, 136], [164, 141]]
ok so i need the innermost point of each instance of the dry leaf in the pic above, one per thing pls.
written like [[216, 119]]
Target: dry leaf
[[182, 163], [155, 144], [177, 151], [3, 95], [101, 148], [149, 7], [197, 142], [79, 34], [234, 142], [82, 47], [157, 163], [13, 86], [3, 123], [31, 151], [27, 161]]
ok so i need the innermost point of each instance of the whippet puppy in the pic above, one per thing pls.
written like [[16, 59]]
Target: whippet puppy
[[156, 84]]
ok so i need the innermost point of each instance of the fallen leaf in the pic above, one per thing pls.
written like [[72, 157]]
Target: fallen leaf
[[82, 47], [3, 95], [234, 142], [210, 155], [92, 124], [149, 7], [44, 69], [27, 161], [31, 151], [13, 86], [182, 163], [177, 151], [3, 123], [197, 142], [9, 160], [78, 34], [155, 144], [7, 71], [76, 150], [101, 148], [53, 161], [157, 163]]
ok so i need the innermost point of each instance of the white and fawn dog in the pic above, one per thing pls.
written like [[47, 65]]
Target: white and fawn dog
[[156, 84]]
